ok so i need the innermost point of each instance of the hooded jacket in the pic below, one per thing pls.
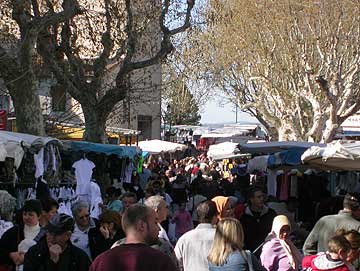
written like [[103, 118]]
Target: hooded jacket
[[322, 262]]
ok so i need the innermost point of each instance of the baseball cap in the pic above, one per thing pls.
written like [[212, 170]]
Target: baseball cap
[[60, 223]]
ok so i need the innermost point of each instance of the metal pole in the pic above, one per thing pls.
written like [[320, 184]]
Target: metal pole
[[236, 113]]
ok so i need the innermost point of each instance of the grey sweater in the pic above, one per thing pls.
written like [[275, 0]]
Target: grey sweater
[[325, 228]]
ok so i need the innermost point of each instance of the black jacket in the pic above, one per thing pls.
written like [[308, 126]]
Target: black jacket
[[98, 244], [38, 259], [256, 228], [10, 240]]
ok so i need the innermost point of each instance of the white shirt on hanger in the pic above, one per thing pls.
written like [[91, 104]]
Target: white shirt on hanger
[[83, 173]]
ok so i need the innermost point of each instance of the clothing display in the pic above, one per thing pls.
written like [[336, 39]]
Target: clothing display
[[96, 200], [39, 163], [126, 178], [258, 163], [83, 172], [271, 182]]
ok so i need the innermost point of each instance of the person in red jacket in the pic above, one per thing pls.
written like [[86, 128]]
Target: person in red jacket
[[334, 259]]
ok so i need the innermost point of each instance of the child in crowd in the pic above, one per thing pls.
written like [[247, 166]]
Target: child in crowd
[[334, 259], [182, 220]]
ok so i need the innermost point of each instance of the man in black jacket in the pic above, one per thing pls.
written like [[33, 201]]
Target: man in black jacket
[[56, 252], [257, 220]]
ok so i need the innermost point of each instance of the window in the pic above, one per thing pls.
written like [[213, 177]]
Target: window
[[145, 126]]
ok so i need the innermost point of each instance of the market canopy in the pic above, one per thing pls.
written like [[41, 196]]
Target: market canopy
[[158, 146], [107, 149], [11, 150], [337, 155], [275, 146], [12, 144], [28, 140], [224, 150]]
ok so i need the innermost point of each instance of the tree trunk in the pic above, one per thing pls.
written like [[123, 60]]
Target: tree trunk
[[287, 132], [24, 93], [95, 123], [330, 131]]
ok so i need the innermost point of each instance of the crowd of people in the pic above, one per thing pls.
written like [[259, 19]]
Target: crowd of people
[[191, 214]]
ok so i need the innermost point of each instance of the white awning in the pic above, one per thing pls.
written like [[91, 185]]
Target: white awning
[[157, 146], [337, 155]]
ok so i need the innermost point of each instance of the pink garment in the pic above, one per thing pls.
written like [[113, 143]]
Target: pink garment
[[183, 222], [284, 187]]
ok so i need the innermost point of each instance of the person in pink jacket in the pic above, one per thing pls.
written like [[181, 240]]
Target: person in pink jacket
[[183, 220], [279, 253]]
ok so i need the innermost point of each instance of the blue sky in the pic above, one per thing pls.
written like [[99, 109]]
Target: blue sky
[[213, 112]]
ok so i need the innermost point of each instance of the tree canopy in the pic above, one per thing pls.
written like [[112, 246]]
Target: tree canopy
[[92, 48], [294, 65], [183, 108]]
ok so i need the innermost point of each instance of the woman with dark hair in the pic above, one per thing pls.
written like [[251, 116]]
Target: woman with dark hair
[[17, 240], [49, 210], [114, 203], [109, 232]]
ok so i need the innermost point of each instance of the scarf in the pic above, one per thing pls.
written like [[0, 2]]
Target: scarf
[[30, 232], [290, 249], [221, 203]]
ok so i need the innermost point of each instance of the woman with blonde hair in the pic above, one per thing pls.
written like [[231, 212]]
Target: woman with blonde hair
[[227, 253], [279, 253]]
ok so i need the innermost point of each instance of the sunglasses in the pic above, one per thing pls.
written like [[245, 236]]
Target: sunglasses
[[84, 217]]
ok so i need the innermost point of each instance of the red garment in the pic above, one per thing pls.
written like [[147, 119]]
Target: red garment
[[183, 222], [284, 187], [239, 210], [322, 262], [133, 257], [195, 170]]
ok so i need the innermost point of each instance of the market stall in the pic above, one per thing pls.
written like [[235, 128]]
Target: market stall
[[224, 150], [158, 146], [338, 155], [30, 151]]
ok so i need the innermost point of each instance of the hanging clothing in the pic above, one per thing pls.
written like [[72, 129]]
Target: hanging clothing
[[294, 186], [271, 182], [128, 173], [284, 187], [39, 163], [83, 172], [96, 199]]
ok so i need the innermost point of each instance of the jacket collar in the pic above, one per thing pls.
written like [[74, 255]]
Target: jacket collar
[[263, 211], [205, 226]]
